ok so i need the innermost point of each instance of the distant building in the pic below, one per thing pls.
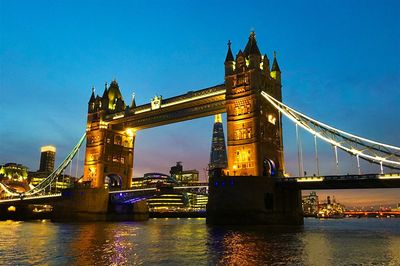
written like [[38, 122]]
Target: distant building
[[310, 204], [331, 209], [151, 179], [175, 170], [187, 176], [197, 201], [13, 171], [218, 157], [63, 181], [168, 202], [47, 159], [15, 176]]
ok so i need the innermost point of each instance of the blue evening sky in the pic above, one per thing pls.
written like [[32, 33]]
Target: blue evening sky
[[340, 64]]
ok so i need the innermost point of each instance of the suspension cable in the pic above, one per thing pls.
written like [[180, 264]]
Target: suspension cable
[[301, 120]]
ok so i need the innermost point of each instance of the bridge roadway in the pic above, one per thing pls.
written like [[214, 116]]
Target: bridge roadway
[[366, 181], [120, 196], [342, 182]]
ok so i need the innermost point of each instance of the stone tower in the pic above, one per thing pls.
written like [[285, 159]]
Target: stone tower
[[218, 158], [255, 145], [109, 148]]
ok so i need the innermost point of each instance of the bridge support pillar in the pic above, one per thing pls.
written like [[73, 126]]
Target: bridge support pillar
[[81, 204], [138, 211], [252, 200]]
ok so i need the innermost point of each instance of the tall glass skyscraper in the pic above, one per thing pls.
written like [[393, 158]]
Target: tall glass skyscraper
[[218, 157]]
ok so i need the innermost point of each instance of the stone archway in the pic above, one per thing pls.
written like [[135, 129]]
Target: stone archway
[[269, 168], [113, 182]]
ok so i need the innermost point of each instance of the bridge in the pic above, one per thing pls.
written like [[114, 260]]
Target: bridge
[[252, 98]]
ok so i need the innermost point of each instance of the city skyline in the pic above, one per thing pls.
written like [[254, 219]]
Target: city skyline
[[51, 71]]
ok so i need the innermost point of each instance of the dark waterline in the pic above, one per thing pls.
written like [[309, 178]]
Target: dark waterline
[[192, 242]]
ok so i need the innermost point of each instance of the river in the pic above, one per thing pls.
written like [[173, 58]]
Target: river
[[365, 241]]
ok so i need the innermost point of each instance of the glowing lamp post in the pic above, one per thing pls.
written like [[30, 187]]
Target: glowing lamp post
[[234, 169]]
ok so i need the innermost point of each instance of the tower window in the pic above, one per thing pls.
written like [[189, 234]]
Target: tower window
[[272, 119], [117, 140]]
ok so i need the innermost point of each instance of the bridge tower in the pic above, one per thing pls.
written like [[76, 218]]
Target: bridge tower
[[109, 148], [250, 193], [255, 146]]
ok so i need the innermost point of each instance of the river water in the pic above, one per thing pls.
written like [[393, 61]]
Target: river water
[[366, 241]]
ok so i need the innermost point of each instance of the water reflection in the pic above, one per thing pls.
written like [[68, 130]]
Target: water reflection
[[254, 245], [191, 242], [103, 244], [317, 250], [394, 250]]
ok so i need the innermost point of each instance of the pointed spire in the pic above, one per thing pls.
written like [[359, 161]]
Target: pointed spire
[[251, 46], [105, 93], [133, 104], [114, 83], [92, 97], [229, 55], [275, 66]]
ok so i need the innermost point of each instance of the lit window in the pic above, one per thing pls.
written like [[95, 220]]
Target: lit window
[[271, 119]]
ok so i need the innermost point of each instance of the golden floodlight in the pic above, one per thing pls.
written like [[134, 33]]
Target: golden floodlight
[[130, 132], [48, 148]]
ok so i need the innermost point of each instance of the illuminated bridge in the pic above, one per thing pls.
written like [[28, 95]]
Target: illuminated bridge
[[255, 176], [362, 148]]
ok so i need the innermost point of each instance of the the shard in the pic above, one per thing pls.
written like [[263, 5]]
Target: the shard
[[218, 157]]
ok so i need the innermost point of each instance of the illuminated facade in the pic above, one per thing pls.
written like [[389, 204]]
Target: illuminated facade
[[310, 204], [47, 159], [331, 209], [13, 171], [254, 128], [109, 149], [188, 176], [183, 176]]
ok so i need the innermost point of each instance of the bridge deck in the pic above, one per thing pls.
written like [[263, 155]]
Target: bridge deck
[[343, 182], [194, 104]]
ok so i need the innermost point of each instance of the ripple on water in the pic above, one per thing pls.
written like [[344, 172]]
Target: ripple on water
[[192, 242]]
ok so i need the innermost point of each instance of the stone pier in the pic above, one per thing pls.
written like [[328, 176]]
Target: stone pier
[[252, 200], [81, 204]]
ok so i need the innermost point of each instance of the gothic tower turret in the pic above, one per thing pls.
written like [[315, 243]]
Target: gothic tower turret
[[252, 53], [229, 61], [91, 103], [104, 98], [275, 70], [109, 148], [254, 127]]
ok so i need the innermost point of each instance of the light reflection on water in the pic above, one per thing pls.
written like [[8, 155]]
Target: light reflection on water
[[192, 242]]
